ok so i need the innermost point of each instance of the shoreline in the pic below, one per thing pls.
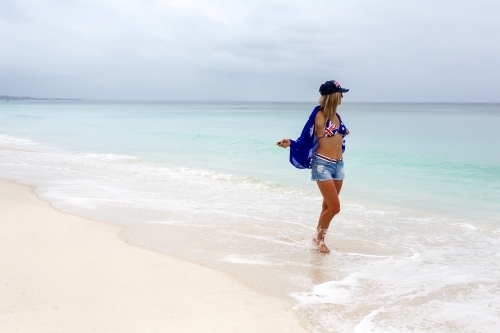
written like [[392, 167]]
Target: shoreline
[[66, 273]]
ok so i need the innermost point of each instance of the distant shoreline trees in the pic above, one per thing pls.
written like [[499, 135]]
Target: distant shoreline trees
[[26, 98]]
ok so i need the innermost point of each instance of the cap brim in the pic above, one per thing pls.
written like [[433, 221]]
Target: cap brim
[[342, 90]]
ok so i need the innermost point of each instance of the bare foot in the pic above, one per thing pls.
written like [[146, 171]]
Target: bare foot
[[319, 240], [320, 245]]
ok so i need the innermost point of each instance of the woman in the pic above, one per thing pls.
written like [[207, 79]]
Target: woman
[[320, 148]]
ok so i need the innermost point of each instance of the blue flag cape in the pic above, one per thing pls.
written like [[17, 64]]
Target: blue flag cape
[[303, 149]]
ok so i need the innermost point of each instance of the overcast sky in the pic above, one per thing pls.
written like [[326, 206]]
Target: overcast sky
[[399, 50]]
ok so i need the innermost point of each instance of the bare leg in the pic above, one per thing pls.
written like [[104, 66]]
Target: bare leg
[[330, 207]]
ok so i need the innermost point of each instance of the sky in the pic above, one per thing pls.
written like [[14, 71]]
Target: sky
[[236, 50]]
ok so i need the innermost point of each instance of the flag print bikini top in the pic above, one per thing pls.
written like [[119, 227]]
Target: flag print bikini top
[[332, 130]]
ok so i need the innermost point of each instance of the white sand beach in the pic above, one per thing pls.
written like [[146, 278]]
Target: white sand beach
[[64, 273]]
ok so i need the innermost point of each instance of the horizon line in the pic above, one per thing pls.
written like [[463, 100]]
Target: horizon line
[[28, 98]]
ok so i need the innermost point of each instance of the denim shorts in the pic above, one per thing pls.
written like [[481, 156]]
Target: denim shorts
[[324, 168]]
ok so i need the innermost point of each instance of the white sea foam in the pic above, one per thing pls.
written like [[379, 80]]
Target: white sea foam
[[466, 225], [182, 224], [238, 259], [445, 288], [15, 142]]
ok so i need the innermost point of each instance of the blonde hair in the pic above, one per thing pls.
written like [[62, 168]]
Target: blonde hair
[[329, 104]]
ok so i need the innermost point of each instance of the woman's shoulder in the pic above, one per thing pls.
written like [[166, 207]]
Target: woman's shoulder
[[320, 114], [320, 118]]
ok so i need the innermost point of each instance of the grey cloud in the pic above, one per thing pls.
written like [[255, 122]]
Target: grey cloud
[[268, 50]]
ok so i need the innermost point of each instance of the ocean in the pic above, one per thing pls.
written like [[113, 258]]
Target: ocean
[[416, 247]]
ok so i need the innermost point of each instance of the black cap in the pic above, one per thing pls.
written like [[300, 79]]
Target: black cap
[[330, 87]]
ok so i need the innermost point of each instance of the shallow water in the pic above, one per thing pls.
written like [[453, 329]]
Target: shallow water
[[416, 246]]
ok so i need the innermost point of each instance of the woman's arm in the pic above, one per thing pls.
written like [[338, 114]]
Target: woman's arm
[[319, 124]]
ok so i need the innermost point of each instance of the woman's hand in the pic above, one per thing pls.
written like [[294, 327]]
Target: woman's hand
[[284, 143]]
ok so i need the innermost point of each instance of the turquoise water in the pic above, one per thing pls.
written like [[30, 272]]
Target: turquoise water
[[441, 158], [416, 246]]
